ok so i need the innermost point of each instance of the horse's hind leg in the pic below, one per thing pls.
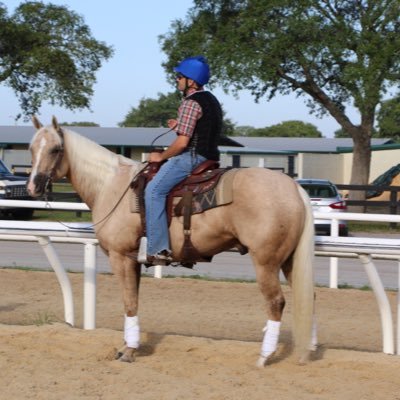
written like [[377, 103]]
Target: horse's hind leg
[[268, 281], [128, 272]]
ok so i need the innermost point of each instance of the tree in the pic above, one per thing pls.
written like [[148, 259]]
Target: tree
[[332, 52], [47, 53], [341, 133], [156, 113], [83, 123], [243, 130], [289, 129], [284, 129], [389, 119], [153, 112]]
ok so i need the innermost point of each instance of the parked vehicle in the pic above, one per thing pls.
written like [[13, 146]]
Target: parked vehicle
[[13, 187], [325, 197]]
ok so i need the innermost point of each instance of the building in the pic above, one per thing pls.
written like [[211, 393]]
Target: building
[[299, 157]]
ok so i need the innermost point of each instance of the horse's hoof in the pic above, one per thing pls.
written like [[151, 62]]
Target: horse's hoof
[[120, 352], [128, 355], [304, 358], [261, 362]]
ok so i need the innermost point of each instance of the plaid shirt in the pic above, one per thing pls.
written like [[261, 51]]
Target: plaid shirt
[[189, 113]]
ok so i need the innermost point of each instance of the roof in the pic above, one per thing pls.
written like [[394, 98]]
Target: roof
[[132, 137], [303, 145], [143, 137]]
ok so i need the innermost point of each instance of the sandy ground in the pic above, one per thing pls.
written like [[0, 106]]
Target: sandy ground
[[200, 340]]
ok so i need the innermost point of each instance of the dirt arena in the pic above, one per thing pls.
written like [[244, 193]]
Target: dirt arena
[[200, 340]]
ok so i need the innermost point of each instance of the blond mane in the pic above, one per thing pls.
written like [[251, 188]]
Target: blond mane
[[92, 165]]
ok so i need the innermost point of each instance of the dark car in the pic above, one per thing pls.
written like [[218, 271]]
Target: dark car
[[325, 197], [13, 187]]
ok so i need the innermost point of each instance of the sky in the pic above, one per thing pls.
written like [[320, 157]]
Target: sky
[[134, 72]]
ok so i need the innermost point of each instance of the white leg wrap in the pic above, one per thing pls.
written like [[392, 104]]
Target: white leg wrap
[[132, 331], [271, 338]]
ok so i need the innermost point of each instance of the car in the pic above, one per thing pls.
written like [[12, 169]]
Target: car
[[13, 187], [325, 197]]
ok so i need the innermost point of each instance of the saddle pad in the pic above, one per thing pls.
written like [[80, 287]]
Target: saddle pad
[[220, 195]]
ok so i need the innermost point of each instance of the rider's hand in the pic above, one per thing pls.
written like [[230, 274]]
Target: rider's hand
[[172, 123], [154, 157]]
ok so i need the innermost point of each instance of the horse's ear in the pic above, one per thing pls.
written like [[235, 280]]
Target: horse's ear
[[55, 123], [36, 122], [57, 127]]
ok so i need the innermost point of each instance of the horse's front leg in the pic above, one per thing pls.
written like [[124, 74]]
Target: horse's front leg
[[128, 272]]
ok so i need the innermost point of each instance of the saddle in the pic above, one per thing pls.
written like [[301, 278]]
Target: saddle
[[192, 195]]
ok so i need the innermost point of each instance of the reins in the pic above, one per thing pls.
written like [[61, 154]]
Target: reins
[[56, 165], [109, 213]]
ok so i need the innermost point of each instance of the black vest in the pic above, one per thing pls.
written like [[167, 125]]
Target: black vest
[[207, 132]]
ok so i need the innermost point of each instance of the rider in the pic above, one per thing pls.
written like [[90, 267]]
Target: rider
[[198, 127]]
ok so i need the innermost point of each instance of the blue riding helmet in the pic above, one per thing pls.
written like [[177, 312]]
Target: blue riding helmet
[[195, 68]]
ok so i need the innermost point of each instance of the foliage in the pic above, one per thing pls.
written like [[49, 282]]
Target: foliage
[[341, 133], [333, 53], [389, 119], [83, 123], [153, 112], [47, 53], [288, 129], [156, 113], [243, 130]]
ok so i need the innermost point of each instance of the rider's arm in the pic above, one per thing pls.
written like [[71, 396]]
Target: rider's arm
[[176, 147], [188, 115]]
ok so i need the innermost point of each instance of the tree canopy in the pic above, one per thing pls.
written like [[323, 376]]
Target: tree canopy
[[284, 129], [81, 123], [389, 119], [334, 53], [153, 112], [47, 53], [156, 113]]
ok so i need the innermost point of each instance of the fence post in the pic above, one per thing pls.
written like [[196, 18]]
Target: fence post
[[393, 206]]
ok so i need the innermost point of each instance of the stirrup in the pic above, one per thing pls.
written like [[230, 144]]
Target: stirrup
[[142, 254]]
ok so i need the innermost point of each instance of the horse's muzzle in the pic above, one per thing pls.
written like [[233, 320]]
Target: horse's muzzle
[[37, 186]]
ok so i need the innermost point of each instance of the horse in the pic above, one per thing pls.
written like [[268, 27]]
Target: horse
[[385, 195], [270, 215]]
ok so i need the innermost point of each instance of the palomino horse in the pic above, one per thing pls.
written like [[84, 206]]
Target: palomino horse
[[270, 215]]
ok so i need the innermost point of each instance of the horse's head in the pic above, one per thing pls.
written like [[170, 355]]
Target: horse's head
[[47, 149]]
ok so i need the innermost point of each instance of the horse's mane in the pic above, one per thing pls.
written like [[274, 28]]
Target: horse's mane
[[93, 165]]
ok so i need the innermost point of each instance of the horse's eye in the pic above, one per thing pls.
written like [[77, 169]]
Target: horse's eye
[[55, 150]]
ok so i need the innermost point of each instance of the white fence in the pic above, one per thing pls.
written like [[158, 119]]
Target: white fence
[[366, 249]]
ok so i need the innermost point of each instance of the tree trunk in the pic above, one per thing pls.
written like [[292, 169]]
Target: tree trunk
[[361, 166]]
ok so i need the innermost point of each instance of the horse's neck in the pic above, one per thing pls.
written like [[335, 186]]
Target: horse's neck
[[92, 169]]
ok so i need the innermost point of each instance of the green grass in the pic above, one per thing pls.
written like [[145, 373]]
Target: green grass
[[347, 286], [44, 318], [62, 187], [59, 215], [372, 227]]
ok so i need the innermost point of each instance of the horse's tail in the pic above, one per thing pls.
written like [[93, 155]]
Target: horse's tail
[[303, 283]]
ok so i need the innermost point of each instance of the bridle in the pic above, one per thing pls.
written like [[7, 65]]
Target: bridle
[[56, 164]]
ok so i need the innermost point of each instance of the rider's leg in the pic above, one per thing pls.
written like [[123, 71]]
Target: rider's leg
[[171, 173]]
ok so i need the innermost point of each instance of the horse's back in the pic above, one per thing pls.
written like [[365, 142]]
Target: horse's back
[[267, 187]]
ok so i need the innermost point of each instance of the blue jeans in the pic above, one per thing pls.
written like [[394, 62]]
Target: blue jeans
[[171, 173]]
